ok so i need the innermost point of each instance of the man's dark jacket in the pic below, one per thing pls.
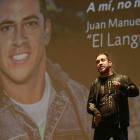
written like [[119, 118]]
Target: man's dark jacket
[[127, 89]]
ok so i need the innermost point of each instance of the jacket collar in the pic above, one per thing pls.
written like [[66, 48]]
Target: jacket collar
[[58, 77]]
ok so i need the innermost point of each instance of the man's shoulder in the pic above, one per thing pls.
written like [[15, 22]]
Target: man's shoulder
[[5, 103], [95, 81], [76, 92], [77, 87], [121, 76]]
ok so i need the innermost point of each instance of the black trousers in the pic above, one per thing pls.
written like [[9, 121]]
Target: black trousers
[[105, 132]]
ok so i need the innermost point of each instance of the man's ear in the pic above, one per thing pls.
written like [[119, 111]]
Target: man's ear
[[110, 63], [47, 31]]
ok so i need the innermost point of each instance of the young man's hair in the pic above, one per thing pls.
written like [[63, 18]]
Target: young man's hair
[[43, 8], [103, 53]]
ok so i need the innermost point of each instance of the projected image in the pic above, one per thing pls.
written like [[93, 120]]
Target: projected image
[[48, 54], [37, 99]]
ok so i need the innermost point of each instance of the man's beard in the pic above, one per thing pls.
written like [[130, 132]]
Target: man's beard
[[104, 71]]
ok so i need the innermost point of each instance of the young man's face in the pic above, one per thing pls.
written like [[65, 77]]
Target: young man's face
[[22, 39], [103, 64]]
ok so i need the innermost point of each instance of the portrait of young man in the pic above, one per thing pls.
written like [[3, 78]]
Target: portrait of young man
[[108, 101], [37, 99]]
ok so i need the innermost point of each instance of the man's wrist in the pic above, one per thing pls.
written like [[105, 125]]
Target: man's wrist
[[98, 115]]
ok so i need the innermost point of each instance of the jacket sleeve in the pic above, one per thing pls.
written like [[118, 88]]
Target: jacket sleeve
[[129, 88], [92, 100]]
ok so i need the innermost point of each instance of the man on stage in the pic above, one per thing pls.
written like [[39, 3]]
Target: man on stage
[[108, 101]]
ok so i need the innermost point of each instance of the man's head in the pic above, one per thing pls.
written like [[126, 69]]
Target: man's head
[[104, 64], [24, 32]]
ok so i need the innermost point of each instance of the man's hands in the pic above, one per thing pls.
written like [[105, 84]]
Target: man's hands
[[116, 85], [97, 119]]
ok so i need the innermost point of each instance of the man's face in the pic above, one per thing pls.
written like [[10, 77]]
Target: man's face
[[22, 39], [103, 64]]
